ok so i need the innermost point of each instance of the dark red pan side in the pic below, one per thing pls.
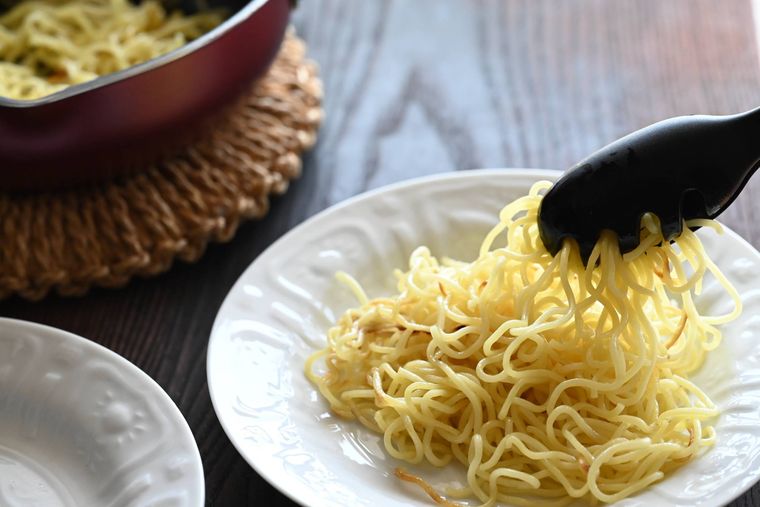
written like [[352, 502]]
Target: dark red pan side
[[121, 126]]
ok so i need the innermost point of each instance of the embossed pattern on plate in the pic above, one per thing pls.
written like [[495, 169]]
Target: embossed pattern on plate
[[82, 427], [278, 311]]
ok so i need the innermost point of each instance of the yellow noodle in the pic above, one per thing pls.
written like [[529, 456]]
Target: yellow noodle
[[47, 45], [545, 378]]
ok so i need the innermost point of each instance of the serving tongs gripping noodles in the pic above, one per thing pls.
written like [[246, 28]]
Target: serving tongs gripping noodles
[[678, 169]]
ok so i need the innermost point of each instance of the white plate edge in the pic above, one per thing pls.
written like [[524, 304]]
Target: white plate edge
[[125, 365]]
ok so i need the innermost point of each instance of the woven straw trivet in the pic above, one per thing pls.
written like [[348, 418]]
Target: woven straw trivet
[[136, 226]]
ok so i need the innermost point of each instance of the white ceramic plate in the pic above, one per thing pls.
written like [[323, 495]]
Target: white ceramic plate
[[81, 426], [278, 311]]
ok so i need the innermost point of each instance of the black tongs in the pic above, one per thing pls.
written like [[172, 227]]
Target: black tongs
[[677, 169]]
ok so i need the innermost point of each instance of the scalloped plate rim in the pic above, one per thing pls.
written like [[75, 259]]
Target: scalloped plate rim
[[259, 467], [93, 350]]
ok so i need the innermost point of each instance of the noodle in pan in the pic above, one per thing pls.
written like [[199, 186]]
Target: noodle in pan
[[48, 45]]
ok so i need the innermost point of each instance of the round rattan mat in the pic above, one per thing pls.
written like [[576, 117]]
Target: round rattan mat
[[71, 240]]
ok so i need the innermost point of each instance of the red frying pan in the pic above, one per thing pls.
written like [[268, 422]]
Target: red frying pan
[[120, 122]]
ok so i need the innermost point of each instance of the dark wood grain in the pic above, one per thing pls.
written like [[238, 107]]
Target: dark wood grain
[[415, 88]]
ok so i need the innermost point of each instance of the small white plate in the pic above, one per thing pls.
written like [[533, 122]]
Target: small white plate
[[81, 426], [280, 308]]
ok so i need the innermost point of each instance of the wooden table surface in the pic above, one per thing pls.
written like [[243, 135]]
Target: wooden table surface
[[429, 86]]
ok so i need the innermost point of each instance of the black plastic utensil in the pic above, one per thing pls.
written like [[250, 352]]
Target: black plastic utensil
[[678, 169]]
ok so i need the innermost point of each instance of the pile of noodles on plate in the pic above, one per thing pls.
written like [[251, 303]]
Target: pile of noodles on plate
[[543, 378], [48, 45]]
